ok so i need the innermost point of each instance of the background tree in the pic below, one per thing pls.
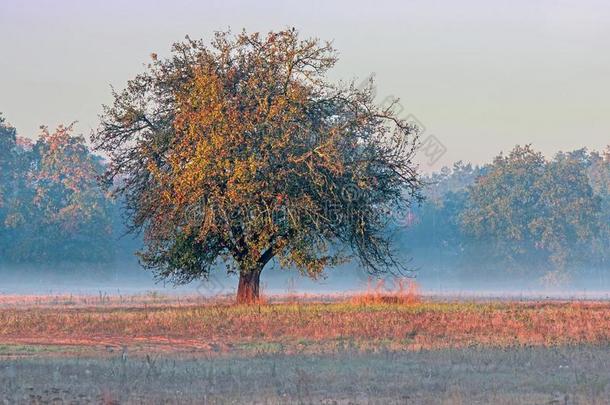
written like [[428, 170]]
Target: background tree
[[241, 152], [437, 229], [530, 208], [599, 175], [55, 211], [70, 211], [8, 143], [8, 139], [571, 207]]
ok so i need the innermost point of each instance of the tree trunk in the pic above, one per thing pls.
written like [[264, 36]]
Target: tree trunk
[[249, 286]]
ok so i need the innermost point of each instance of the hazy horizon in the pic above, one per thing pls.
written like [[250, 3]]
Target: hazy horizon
[[481, 77]]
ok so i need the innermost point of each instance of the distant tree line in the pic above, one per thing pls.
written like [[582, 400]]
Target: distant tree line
[[521, 212]]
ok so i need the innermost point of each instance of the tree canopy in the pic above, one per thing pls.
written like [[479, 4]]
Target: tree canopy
[[242, 151], [525, 201], [52, 208], [8, 139], [522, 211]]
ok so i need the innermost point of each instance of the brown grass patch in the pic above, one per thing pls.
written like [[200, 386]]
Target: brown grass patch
[[405, 292]]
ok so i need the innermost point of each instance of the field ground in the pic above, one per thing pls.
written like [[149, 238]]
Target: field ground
[[526, 375], [372, 349]]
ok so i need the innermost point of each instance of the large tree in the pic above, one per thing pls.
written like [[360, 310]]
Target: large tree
[[242, 151]]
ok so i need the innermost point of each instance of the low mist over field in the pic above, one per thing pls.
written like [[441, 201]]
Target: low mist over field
[[522, 224]]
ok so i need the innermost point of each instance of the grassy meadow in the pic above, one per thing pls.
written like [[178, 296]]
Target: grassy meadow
[[370, 348]]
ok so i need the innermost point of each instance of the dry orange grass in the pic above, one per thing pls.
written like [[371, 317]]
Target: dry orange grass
[[376, 320]]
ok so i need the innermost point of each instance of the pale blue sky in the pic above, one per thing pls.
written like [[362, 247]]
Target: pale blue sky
[[481, 75]]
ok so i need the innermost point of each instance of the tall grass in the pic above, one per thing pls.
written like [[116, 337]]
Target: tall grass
[[405, 292]]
